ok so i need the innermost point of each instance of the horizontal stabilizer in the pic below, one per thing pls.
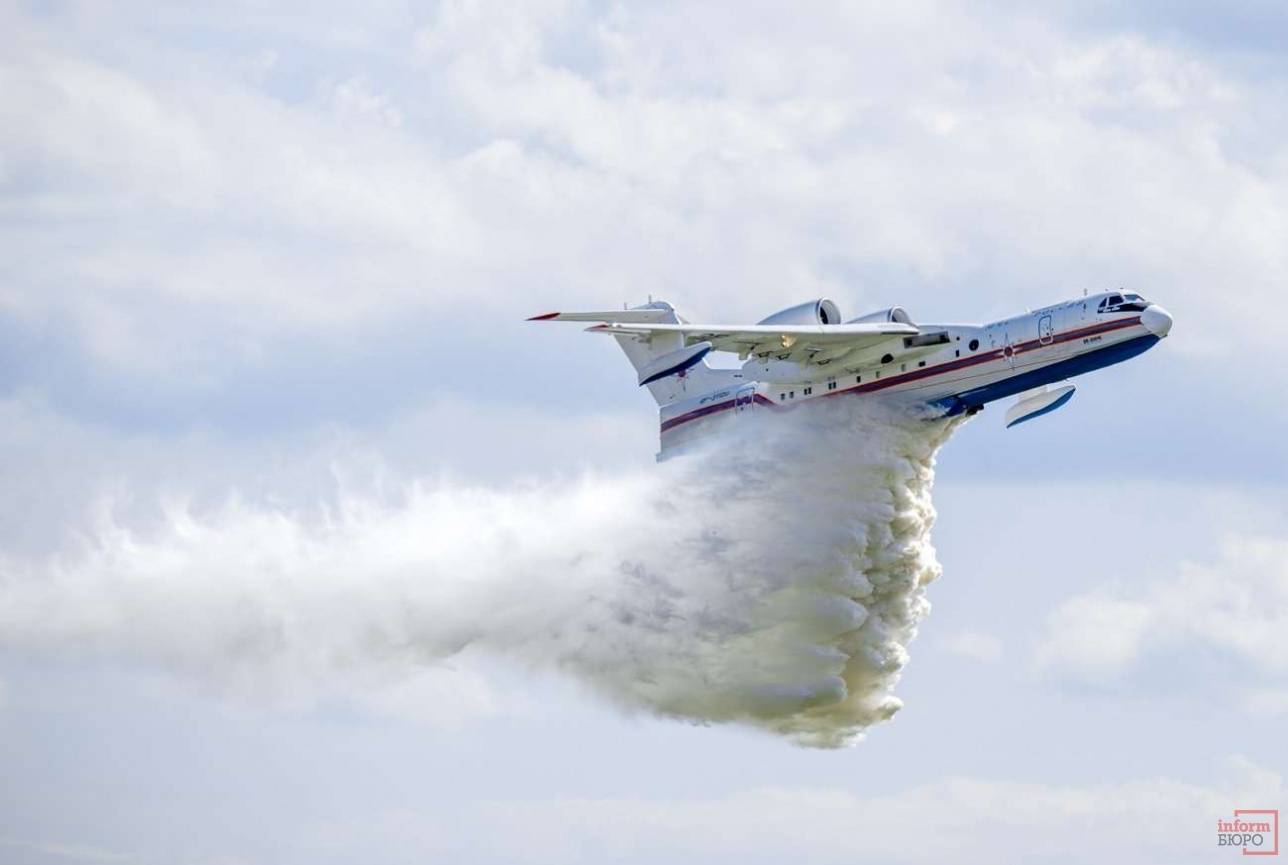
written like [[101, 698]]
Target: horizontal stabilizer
[[1035, 403], [643, 315]]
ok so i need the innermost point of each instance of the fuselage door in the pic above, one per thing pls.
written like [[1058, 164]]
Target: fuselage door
[[1046, 330], [744, 399]]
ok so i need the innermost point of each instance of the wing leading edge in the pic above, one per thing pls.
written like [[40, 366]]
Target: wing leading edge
[[806, 343]]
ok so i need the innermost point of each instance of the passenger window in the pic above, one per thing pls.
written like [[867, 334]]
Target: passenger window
[[974, 344]]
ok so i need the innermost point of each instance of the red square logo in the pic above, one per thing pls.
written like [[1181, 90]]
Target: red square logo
[[1253, 830]]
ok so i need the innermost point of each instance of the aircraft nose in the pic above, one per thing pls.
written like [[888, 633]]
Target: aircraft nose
[[1156, 320]]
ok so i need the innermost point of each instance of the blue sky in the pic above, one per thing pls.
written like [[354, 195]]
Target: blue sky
[[255, 262]]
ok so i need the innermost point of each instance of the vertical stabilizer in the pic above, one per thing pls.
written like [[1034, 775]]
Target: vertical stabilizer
[[695, 375], [669, 369]]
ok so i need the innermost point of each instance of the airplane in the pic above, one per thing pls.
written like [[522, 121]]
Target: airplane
[[806, 352]]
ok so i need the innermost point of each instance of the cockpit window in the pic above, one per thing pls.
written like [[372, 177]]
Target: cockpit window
[[1122, 303]]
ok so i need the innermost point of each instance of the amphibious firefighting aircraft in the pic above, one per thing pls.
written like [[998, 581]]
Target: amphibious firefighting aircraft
[[806, 352]]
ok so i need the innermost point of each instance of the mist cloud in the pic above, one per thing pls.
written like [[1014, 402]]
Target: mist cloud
[[773, 578]]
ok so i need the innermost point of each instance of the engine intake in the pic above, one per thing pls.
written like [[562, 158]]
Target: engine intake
[[821, 311], [893, 313]]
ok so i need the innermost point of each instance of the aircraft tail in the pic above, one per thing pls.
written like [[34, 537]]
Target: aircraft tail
[[665, 365]]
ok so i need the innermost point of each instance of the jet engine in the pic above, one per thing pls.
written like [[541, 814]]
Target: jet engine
[[893, 313], [821, 311]]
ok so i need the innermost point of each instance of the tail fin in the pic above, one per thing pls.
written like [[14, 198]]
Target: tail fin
[[692, 377]]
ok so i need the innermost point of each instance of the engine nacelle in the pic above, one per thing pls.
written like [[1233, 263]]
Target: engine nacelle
[[821, 311], [894, 313]]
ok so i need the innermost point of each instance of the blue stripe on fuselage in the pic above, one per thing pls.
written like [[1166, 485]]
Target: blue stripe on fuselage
[[1092, 360]]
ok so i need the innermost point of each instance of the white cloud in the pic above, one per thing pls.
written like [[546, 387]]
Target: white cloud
[[1095, 635], [63, 474], [975, 645], [355, 98], [1155, 820], [160, 195], [444, 697], [1237, 606]]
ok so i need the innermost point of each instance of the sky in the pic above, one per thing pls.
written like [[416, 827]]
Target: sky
[[264, 270]]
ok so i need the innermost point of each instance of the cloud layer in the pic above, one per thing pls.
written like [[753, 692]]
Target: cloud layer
[[1236, 607], [185, 212], [1161, 819]]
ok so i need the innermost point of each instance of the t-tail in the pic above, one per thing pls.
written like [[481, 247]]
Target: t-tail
[[663, 363]]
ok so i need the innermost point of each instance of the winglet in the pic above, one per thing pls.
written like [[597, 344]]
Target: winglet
[[544, 317]]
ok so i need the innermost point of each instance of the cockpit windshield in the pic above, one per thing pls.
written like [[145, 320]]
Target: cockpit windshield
[[1125, 302]]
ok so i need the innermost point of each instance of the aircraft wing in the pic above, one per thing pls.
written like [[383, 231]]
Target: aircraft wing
[[798, 342]]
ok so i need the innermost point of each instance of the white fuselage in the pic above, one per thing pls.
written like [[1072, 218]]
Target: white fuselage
[[964, 368]]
